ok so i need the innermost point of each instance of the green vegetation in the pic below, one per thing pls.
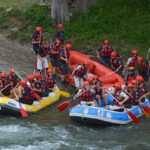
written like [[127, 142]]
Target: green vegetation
[[125, 23]]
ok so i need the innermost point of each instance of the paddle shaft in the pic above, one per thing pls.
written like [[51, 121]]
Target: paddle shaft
[[110, 74], [5, 87]]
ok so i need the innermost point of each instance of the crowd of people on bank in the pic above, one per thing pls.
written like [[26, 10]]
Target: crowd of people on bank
[[88, 87]]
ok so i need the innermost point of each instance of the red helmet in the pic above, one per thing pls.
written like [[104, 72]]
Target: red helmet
[[140, 59], [23, 83], [140, 78], [11, 72], [60, 26], [49, 71], [106, 42], [85, 83], [118, 86], [134, 51], [31, 77], [90, 79], [37, 75], [113, 54], [86, 63], [58, 41], [134, 81], [38, 29], [3, 75], [95, 77], [130, 85], [69, 46]]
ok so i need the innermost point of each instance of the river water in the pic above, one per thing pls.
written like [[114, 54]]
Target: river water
[[52, 130]]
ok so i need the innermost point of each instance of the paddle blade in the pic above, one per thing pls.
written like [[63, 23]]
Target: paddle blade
[[23, 113], [61, 107], [146, 109], [37, 96], [134, 118]]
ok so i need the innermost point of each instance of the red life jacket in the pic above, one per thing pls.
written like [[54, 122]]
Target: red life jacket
[[29, 95], [49, 83], [130, 78], [43, 51], [131, 98], [117, 96], [115, 63], [143, 67], [55, 49], [106, 50], [133, 61], [14, 81], [67, 53], [87, 96], [142, 89], [38, 37], [4, 84], [81, 71]]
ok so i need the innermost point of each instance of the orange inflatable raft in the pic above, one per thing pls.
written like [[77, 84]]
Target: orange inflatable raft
[[108, 77]]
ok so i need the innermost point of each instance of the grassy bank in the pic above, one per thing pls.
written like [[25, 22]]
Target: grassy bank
[[125, 23]]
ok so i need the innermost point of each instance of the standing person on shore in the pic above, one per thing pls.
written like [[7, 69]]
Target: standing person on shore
[[64, 61], [54, 54], [37, 39], [41, 57], [59, 35], [132, 61], [106, 50]]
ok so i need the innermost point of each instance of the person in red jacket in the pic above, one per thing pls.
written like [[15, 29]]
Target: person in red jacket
[[80, 73], [64, 61], [143, 68], [41, 57], [116, 63], [4, 83], [85, 94], [99, 92], [141, 85], [59, 35], [54, 54], [26, 96], [130, 76], [31, 80], [106, 51], [50, 82], [133, 95], [37, 39], [132, 61]]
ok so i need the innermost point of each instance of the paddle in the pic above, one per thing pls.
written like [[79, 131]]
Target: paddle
[[37, 96], [61, 107], [134, 118], [22, 111], [110, 74], [146, 109], [5, 87]]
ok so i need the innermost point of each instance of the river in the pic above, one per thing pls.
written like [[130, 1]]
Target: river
[[53, 130]]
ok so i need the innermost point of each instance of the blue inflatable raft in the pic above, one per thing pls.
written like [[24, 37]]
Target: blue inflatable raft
[[100, 116]]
